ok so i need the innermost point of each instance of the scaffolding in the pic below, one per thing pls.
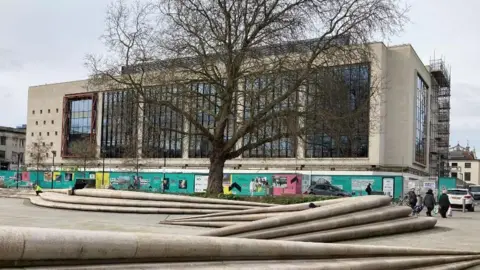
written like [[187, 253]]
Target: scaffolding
[[440, 118]]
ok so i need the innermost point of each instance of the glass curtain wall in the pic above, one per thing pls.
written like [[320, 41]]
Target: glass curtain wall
[[421, 116], [119, 125], [162, 127], [206, 107], [263, 90], [332, 93]]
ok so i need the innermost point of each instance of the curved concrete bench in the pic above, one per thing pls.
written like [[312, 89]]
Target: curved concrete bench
[[426, 263], [252, 217], [21, 246], [273, 209], [206, 224], [344, 207], [348, 220], [385, 228], [62, 198], [453, 266], [118, 209], [133, 195]]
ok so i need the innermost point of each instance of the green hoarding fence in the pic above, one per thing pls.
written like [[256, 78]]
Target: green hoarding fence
[[188, 183]]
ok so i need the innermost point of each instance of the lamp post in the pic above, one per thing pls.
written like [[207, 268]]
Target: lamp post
[[163, 169], [54, 153], [18, 168], [103, 166]]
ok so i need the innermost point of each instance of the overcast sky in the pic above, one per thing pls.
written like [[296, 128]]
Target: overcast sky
[[45, 41]]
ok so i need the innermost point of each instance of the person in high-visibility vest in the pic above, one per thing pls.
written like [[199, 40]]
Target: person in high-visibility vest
[[38, 189]]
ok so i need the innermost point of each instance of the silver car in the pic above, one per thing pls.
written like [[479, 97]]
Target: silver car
[[327, 190]]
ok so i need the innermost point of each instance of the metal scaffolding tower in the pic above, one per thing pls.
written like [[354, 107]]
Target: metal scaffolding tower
[[440, 118]]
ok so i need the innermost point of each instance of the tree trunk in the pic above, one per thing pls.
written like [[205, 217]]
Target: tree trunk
[[215, 175]]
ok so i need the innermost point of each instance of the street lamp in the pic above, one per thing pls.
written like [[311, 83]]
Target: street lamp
[[54, 153]]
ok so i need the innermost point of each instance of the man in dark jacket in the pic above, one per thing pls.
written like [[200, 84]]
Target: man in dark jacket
[[429, 202], [412, 199], [444, 204], [369, 189]]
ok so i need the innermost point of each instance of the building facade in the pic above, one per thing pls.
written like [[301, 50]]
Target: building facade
[[405, 116], [464, 164], [12, 147]]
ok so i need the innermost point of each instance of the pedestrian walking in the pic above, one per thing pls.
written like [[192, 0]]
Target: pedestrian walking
[[444, 204], [418, 206], [369, 189], [412, 199], [429, 202]]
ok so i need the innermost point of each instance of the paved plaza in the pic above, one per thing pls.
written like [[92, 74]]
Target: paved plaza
[[459, 232], [462, 231], [20, 212]]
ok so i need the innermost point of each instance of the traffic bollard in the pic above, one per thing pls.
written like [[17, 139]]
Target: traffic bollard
[[463, 205]]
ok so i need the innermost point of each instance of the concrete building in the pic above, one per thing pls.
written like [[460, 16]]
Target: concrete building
[[464, 164], [12, 147], [406, 113]]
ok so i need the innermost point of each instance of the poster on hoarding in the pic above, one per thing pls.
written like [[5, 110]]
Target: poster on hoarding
[[429, 185], [361, 184], [388, 186], [201, 183], [321, 179]]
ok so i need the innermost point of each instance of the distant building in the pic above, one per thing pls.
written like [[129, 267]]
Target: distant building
[[12, 147], [464, 164]]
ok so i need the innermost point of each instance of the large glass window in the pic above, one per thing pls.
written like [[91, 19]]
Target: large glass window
[[421, 115], [79, 120], [341, 98], [162, 127]]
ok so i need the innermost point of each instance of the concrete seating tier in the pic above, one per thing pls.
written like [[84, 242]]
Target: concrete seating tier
[[138, 202], [59, 249]]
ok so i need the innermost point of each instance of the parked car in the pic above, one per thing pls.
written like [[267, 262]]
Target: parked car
[[327, 190], [475, 191], [457, 195]]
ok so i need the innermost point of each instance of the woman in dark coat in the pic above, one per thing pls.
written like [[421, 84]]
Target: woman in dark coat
[[429, 202], [444, 204]]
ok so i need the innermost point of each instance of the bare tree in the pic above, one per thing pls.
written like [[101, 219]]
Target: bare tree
[[234, 70], [38, 152], [84, 152]]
